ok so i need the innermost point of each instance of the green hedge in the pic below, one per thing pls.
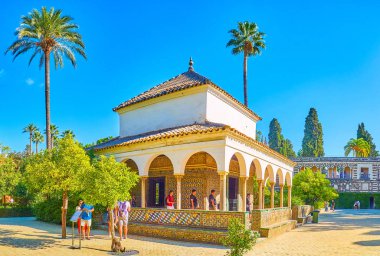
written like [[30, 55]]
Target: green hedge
[[346, 200], [16, 212], [50, 211]]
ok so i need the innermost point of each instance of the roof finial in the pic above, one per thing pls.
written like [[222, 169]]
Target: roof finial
[[191, 64]]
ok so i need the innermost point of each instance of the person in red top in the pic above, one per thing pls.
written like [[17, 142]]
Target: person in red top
[[170, 200]]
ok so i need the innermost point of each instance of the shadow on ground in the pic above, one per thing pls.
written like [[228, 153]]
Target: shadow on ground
[[368, 243]]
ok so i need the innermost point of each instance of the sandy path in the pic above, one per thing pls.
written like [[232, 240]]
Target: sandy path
[[343, 233]]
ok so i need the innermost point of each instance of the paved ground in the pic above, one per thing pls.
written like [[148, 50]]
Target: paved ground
[[343, 233]]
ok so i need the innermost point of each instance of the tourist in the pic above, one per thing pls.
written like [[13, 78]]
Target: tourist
[[170, 200], [123, 209], [326, 206], [86, 216], [193, 200], [333, 205], [134, 201], [248, 203], [358, 205], [212, 201], [78, 208]]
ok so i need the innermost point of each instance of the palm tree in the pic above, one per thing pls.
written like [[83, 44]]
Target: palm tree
[[248, 40], [358, 147], [68, 133], [37, 138], [30, 128], [48, 33], [54, 132]]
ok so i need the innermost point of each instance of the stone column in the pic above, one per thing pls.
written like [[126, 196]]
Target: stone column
[[242, 194], [290, 196], [143, 190], [179, 195], [260, 196], [272, 195], [223, 190], [281, 195]]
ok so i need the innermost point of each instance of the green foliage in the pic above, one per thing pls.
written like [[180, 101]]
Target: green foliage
[[239, 239], [358, 147], [275, 137], [246, 39], [364, 134], [58, 170], [312, 187], [277, 140], [259, 136], [9, 174], [312, 143], [110, 181], [48, 32], [346, 200], [16, 212]]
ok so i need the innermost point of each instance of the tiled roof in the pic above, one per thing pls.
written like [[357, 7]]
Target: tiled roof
[[161, 134], [181, 82], [335, 159], [187, 130]]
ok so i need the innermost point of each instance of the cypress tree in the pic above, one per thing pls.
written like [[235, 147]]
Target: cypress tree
[[364, 134], [274, 136], [312, 143], [277, 140]]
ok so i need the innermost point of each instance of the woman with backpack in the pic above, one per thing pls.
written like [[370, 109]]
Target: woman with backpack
[[123, 209]]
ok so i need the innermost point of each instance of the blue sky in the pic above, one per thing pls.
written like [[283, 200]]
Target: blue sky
[[322, 54]]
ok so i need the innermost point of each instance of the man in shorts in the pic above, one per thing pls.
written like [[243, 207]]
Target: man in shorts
[[86, 217], [123, 209]]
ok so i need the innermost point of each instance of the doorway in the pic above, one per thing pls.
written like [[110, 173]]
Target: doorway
[[156, 193], [372, 202], [232, 193]]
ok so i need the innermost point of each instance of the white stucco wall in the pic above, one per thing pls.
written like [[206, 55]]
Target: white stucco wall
[[220, 111], [179, 111]]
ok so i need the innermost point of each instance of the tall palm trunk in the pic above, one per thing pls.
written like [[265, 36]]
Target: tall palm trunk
[[47, 99], [65, 202], [30, 143], [36, 147], [245, 79]]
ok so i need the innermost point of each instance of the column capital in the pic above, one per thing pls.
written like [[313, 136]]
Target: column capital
[[222, 173], [289, 186], [281, 185], [179, 176], [272, 183], [144, 177]]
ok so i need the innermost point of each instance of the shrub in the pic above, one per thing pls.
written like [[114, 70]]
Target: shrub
[[239, 239], [50, 211], [16, 212]]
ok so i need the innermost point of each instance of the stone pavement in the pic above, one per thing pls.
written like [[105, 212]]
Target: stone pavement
[[343, 233]]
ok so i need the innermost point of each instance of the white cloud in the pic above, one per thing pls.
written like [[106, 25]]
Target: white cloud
[[29, 81]]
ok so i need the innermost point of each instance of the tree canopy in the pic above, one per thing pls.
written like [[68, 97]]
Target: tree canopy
[[277, 140], [312, 143], [358, 147], [313, 187], [364, 134], [9, 174]]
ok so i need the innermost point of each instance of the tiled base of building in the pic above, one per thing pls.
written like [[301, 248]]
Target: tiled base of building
[[277, 229], [177, 233]]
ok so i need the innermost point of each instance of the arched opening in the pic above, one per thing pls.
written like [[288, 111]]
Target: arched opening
[[347, 173], [136, 190], [268, 179], [161, 180], [233, 183], [201, 175], [277, 188], [253, 185], [287, 183]]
